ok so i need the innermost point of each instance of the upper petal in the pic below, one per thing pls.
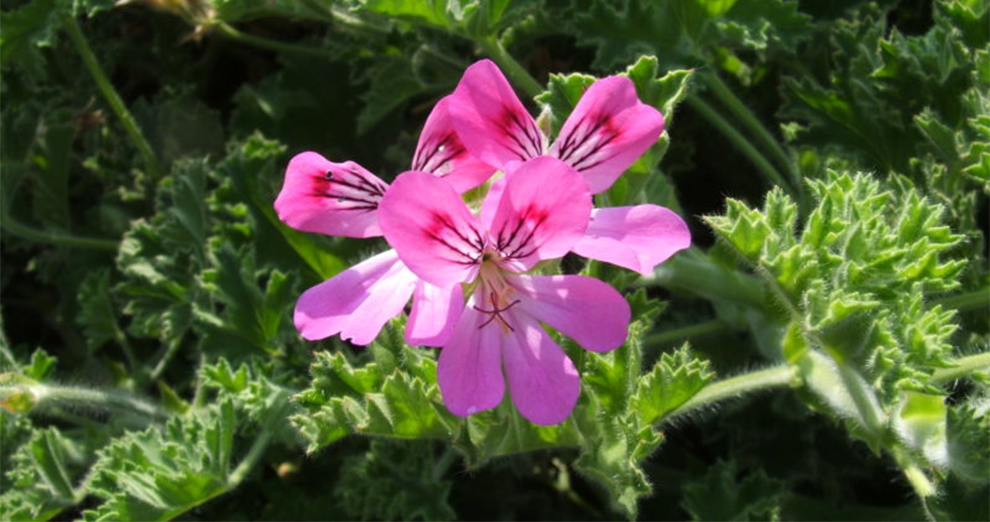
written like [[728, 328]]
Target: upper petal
[[338, 199], [469, 371], [543, 210], [432, 229], [357, 302], [441, 152], [434, 313], [543, 382], [607, 131], [490, 119], [638, 238], [583, 308]]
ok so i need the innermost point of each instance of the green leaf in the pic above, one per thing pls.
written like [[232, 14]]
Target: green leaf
[[43, 474], [394, 481], [673, 380], [429, 12], [97, 314], [33, 25], [726, 494], [392, 82], [158, 474]]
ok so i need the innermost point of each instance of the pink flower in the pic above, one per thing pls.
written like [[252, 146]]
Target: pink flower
[[542, 212], [341, 199], [607, 131]]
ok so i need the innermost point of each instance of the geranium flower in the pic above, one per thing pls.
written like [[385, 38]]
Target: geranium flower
[[606, 132], [341, 199], [543, 210]]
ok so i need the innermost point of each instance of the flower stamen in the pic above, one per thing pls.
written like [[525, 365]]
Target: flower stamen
[[496, 312]]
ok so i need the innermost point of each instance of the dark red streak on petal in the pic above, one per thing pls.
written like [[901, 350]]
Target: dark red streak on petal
[[441, 223]]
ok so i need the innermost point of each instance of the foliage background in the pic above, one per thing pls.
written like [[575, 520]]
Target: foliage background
[[152, 371]]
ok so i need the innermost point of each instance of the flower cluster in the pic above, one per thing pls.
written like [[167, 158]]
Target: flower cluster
[[472, 276]]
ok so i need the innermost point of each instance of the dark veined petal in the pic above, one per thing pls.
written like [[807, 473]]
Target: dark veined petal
[[337, 199], [607, 131], [490, 119], [441, 152], [432, 229]]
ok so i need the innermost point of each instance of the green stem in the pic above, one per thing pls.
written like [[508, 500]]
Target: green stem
[[516, 72], [967, 301], [775, 377], [693, 272], [41, 236], [441, 466], [110, 94], [962, 367], [686, 332], [722, 91], [47, 395], [250, 460], [273, 45], [173, 348], [739, 141]]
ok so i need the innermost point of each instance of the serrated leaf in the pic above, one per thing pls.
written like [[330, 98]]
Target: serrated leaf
[[673, 380], [97, 314], [158, 474], [723, 495]]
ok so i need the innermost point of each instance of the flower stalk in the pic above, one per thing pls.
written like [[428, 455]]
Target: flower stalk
[[154, 168], [775, 377]]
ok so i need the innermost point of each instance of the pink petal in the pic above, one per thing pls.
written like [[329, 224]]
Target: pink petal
[[638, 238], [433, 231], [543, 211], [543, 382], [607, 131], [491, 120], [337, 199], [469, 371], [441, 153], [583, 308], [357, 302], [434, 313]]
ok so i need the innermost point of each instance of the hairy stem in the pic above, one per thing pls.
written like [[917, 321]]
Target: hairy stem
[[693, 272], [745, 116], [685, 332], [962, 367], [110, 94], [75, 397], [774, 377], [516, 72], [273, 45], [966, 301], [19, 229], [763, 166], [250, 460]]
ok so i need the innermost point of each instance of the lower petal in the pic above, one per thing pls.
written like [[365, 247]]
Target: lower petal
[[469, 371], [357, 302], [434, 314], [543, 382], [638, 238], [583, 308]]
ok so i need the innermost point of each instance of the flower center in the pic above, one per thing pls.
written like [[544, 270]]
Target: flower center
[[496, 289]]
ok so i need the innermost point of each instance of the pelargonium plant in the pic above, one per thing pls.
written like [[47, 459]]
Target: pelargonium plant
[[480, 281]]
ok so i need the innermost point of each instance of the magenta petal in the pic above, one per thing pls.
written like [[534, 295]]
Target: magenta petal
[[469, 371], [357, 302], [638, 238], [607, 131], [441, 153], [543, 382], [432, 229], [490, 119], [543, 211], [337, 199], [434, 314], [583, 308]]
